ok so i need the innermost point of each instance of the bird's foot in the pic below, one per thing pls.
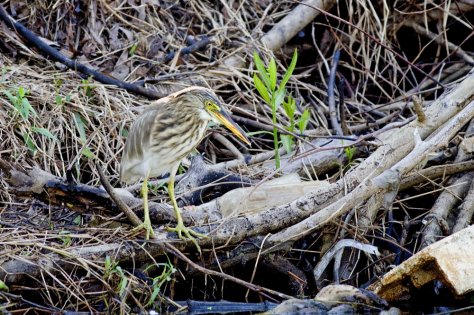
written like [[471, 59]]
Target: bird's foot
[[187, 233], [146, 225]]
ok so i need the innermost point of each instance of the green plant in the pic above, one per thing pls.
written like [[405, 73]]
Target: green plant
[[289, 107], [86, 85], [3, 287], [112, 268], [349, 152], [60, 100], [109, 267], [122, 286], [155, 188], [65, 237], [265, 81], [165, 276], [133, 49], [23, 107], [20, 102], [81, 129]]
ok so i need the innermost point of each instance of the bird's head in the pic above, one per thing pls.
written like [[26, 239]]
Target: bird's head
[[210, 108]]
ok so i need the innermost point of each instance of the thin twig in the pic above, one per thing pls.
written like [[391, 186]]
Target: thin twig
[[134, 219], [197, 46], [331, 100]]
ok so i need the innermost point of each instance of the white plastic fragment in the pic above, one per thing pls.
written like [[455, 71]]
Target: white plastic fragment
[[450, 261]]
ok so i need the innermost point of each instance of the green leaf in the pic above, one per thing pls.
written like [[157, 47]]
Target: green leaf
[[272, 71], [24, 112], [262, 90], [59, 100], [11, 98], [88, 153], [77, 220], [350, 151], [133, 49], [303, 121], [44, 132], [278, 98], [21, 92], [3, 286], [287, 141], [153, 296], [81, 126], [289, 71], [58, 83], [124, 133], [261, 69], [290, 107], [27, 108], [123, 281], [29, 143]]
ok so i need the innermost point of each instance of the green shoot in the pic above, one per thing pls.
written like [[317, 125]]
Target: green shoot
[[86, 85], [60, 100], [165, 276], [109, 267], [81, 129], [133, 49], [349, 152], [303, 121], [21, 103], [265, 82], [122, 286], [22, 106], [3, 286], [29, 143], [77, 220], [65, 238], [290, 110], [112, 268]]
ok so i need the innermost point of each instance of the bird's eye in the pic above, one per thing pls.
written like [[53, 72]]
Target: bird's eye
[[212, 106]]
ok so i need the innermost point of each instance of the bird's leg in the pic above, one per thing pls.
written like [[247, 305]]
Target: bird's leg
[[180, 227], [146, 220]]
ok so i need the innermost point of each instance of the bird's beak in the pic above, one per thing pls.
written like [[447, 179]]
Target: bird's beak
[[225, 119]]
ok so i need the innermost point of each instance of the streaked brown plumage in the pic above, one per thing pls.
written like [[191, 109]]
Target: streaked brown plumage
[[168, 130]]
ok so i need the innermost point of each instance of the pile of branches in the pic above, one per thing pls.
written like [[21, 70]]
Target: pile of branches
[[383, 164]]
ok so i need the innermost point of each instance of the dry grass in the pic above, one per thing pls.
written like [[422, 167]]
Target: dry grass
[[128, 40]]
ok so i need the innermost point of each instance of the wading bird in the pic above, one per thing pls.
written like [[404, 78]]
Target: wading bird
[[163, 135]]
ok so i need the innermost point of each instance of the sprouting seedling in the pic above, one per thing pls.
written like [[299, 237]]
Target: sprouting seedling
[[86, 85], [265, 81], [164, 277], [23, 107], [289, 106], [20, 102], [349, 152]]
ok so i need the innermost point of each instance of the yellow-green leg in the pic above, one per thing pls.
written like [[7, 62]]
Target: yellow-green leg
[[180, 227], [146, 225]]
